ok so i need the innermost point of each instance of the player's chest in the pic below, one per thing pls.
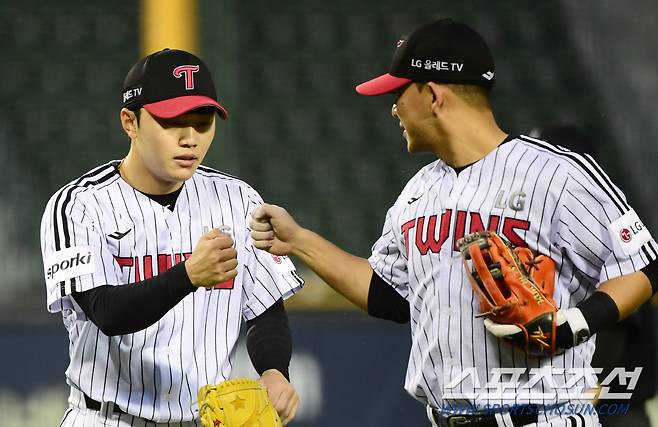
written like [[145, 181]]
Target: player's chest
[[148, 229], [433, 222]]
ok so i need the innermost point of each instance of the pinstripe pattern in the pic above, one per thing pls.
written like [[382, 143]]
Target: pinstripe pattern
[[564, 210], [155, 373]]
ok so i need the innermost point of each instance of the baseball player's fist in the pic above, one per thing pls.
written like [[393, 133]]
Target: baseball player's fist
[[273, 229], [213, 261], [282, 395]]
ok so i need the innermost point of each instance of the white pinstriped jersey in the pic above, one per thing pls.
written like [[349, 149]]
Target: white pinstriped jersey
[[98, 230], [532, 193]]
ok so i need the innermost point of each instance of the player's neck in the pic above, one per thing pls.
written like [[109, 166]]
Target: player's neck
[[470, 141], [140, 178]]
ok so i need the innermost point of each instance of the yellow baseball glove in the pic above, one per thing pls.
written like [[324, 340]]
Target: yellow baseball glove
[[240, 402]]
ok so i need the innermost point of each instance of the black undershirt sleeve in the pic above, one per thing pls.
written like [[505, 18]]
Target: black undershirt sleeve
[[269, 342], [385, 303], [651, 271], [125, 309]]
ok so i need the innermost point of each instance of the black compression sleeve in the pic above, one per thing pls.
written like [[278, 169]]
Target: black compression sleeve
[[125, 309], [599, 310], [384, 302], [269, 343], [651, 271]]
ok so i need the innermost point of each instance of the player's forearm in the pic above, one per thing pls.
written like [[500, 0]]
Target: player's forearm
[[628, 292], [347, 274], [614, 300], [269, 343], [125, 309]]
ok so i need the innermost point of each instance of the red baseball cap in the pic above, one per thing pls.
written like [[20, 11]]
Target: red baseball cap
[[169, 83]]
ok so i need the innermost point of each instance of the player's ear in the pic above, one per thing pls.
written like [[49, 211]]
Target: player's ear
[[438, 93], [129, 122]]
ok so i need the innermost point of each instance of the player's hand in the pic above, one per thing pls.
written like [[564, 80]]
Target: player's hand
[[273, 229], [282, 395], [213, 261]]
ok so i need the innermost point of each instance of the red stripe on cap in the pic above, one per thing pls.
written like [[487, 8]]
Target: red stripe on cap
[[176, 106], [380, 85]]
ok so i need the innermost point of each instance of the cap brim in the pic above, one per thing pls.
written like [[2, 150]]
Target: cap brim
[[380, 85], [176, 106]]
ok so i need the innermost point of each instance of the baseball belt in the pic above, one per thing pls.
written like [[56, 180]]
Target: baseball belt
[[95, 405], [521, 416]]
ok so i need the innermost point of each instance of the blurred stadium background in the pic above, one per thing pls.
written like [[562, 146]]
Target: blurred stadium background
[[298, 133]]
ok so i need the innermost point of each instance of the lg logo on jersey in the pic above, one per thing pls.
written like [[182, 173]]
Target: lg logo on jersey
[[515, 201], [627, 235], [629, 232], [78, 260]]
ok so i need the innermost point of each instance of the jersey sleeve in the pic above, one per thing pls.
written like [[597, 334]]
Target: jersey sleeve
[[389, 258], [74, 250], [268, 277], [598, 231]]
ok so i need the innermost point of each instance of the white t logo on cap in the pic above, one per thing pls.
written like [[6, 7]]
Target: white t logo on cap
[[188, 71]]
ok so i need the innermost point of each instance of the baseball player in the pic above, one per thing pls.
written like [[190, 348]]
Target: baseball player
[[149, 261], [532, 193]]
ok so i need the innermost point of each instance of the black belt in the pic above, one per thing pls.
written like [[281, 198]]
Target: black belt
[[521, 415], [96, 406]]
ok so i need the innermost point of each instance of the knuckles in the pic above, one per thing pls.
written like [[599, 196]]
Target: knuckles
[[227, 254], [223, 242]]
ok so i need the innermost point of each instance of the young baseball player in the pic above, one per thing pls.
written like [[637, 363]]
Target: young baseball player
[[532, 193], [149, 261]]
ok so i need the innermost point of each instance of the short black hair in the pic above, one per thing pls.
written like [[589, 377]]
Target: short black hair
[[473, 95], [138, 114]]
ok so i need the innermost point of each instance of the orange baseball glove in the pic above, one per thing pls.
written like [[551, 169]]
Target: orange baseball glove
[[515, 289]]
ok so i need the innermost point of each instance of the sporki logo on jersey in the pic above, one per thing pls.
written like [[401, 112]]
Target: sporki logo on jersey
[[68, 263], [187, 71]]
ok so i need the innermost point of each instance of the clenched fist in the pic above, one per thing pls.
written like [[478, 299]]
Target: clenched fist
[[213, 261], [273, 229]]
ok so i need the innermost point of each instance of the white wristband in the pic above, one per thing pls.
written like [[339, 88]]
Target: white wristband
[[574, 317]]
